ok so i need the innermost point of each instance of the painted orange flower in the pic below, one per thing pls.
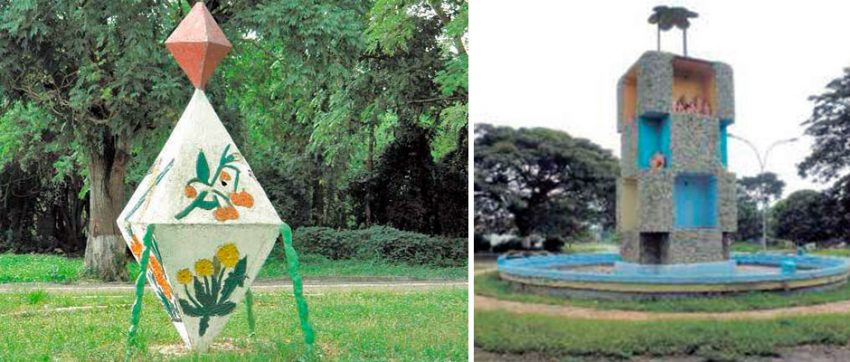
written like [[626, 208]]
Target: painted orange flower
[[232, 214], [225, 176], [226, 213], [242, 199], [190, 192], [220, 214]]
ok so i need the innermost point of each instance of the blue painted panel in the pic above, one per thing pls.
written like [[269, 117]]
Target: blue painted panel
[[695, 201], [653, 136], [722, 148], [559, 267]]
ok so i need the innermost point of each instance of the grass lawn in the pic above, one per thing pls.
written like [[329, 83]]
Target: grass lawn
[[404, 325], [490, 285], [504, 332], [17, 268], [748, 247]]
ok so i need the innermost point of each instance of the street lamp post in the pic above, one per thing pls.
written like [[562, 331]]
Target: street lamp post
[[762, 159]]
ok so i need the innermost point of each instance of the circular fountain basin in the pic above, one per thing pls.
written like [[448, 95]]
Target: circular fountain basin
[[605, 275]]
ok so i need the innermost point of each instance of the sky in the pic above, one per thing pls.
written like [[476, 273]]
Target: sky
[[555, 64]]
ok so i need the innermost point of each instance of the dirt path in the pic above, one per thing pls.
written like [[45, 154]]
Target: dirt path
[[488, 303], [263, 285], [791, 354]]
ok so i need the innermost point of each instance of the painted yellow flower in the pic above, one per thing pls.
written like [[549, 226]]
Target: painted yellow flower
[[204, 267], [228, 255], [184, 276]]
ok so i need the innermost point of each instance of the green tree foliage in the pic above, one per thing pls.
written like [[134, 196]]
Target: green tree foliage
[[39, 207], [749, 218], [829, 160], [105, 85], [541, 181], [804, 217], [347, 92], [761, 188], [753, 191], [314, 93]]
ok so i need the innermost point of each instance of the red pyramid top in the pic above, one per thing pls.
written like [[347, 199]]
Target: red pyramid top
[[198, 44]]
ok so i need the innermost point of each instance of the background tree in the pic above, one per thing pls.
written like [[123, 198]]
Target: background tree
[[804, 217], [315, 93], [829, 160], [749, 218], [105, 85], [762, 188], [547, 181]]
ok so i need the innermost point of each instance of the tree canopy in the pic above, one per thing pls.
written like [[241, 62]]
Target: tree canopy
[[762, 187], [804, 217], [829, 160], [541, 181], [316, 94]]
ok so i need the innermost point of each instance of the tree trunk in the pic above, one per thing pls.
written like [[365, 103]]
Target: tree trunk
[[105, 248]]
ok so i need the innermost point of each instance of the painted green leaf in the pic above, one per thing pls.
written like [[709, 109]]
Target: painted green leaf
[[202, 168], [223, 159], [216, 283], [202, 327], [207, 204], [199, 202], [222, 309], [201, 293], [189, 309], [236, 278]]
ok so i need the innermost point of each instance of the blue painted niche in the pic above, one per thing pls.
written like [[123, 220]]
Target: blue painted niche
[[653, 136], [695, 201], [722, 137]]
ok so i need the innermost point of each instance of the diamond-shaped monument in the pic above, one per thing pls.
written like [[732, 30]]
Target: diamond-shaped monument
[[211, 225], [198, 44]]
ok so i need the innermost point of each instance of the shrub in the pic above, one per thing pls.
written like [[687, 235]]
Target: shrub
[[482, 245], [553, 244], [511, 244], [382, 242]]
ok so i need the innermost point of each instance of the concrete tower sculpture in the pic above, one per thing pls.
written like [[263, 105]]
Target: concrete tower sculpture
[[199, 223], [676, 199]]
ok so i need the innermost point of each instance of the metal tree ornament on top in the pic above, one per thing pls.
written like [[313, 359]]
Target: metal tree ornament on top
[[199, 223]]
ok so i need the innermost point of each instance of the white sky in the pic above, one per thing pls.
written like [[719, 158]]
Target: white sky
[[555, 64]]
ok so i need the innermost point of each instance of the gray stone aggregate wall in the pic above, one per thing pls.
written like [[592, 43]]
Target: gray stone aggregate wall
[[694, 142]]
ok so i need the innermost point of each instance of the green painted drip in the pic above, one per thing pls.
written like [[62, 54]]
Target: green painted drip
[[249, 308], [297, 286], [140, 289]]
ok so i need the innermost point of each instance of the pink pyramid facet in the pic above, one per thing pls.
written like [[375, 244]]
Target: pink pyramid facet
[[198, 44]]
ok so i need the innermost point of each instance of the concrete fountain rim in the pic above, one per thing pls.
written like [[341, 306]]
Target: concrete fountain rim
[[541, 268]]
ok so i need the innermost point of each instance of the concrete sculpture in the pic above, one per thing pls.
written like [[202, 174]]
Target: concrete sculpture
[[199, 223], [676, 200]]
